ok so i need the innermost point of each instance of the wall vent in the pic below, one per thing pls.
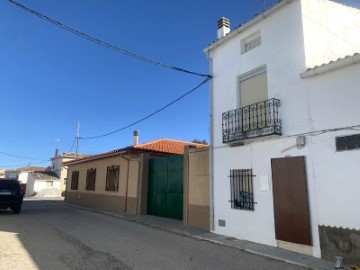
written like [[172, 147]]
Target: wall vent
[[222, 222]]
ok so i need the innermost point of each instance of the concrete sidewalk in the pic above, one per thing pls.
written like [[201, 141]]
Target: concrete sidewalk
[[176, 226]]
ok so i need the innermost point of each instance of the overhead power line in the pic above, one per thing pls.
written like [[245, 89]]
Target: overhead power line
[[104, 43], [122, 51], [72, 146], [148, 116], [22, 157], [23, 165]]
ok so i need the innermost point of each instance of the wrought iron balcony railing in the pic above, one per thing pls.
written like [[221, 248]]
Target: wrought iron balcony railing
[[255, 120]]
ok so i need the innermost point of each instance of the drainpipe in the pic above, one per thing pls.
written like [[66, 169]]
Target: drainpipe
[[137, 186], [211, 157], [127, 182]]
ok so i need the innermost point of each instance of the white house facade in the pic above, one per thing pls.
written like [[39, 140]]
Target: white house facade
[[60, 170], [36, 179], [285, 128], [44, 182]]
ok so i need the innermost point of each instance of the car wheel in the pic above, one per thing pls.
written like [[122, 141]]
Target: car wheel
[[16, 210]]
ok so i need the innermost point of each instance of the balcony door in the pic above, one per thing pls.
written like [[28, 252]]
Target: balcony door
[[253, 89]]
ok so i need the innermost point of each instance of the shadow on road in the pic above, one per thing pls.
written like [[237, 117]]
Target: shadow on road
[[37, 239]]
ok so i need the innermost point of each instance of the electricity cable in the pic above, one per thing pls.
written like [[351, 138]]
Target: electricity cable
[[104, 43], [150, 115], [24, 165], [122, 51], [22, 157], [73, 145]]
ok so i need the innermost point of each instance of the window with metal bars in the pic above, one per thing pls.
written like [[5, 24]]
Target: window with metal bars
[[74, 180], [90, 179], [112, 178], [241, 189]]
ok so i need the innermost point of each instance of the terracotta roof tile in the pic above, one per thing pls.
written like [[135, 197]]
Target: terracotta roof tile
[[167, 146], [159, 146], [45, 176], [28, 169]]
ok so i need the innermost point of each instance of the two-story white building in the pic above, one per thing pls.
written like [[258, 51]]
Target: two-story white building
[[58, 168], [285, 128]]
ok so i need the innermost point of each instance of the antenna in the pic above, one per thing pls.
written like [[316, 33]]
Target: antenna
[[263, 5], [77, 139]]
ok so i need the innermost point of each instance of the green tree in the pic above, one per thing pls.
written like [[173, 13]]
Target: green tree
[[200, 141]]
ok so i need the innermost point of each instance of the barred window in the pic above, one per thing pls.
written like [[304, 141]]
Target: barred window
[[90, 179], [74, 180], [112, 178], [241, 189]]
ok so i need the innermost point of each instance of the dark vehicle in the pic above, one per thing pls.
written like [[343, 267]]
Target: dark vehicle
[[11, 195]]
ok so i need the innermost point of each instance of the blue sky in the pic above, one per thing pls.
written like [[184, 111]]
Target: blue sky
[[50, 78]]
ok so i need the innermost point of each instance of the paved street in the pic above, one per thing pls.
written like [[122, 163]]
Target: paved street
[[54, 235]]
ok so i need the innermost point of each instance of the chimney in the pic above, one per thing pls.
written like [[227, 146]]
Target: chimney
[[136, 138], [223, 26], [56, 152]]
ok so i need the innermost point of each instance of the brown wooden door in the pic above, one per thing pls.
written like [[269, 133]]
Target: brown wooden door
[[291, 208]]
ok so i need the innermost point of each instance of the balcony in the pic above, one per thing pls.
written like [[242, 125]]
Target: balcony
[[252, 121]]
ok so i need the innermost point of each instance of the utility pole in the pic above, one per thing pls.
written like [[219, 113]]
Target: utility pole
[[77, 139]]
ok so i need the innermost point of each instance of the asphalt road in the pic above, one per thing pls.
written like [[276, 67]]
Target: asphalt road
[[54, 235]]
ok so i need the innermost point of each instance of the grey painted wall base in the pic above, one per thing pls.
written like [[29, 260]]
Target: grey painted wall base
[[98, 201], [340, 242]]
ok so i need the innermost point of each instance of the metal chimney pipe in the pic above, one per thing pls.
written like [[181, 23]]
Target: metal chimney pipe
[[136, 138]]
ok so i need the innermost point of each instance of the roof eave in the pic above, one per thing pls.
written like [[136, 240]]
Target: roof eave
[[83, 160], [344, 62]]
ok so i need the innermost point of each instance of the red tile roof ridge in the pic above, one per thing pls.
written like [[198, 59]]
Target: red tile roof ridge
[[173, 140], [176, 147]]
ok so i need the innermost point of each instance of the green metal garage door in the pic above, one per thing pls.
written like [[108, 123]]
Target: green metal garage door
[[165, 191]]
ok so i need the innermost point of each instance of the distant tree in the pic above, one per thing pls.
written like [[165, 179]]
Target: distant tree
[[200, 141]]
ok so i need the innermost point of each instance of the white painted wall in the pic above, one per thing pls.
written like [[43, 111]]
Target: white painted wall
[[283, 57], [334, 98], [56, 165], [30, 185], [307, 105], [336, 180], [331, 31], [60, 170], [23, 177], [257, 226], [331, 177], [41, 184]]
